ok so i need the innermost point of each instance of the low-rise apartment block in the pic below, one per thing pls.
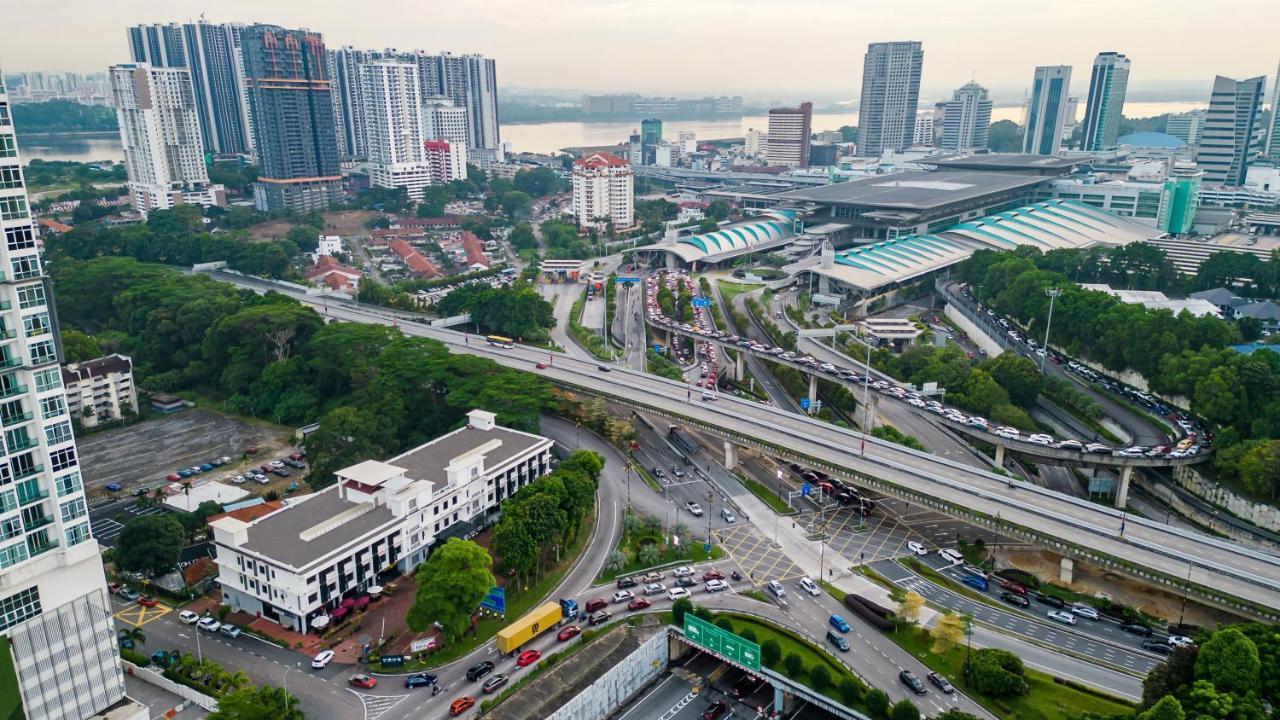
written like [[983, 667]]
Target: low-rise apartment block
[[100, 390]]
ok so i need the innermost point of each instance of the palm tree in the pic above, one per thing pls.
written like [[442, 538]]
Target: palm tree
[[652, 523], [631, 523], [615, 562], [135, 634], [236, 680], [650, 555]]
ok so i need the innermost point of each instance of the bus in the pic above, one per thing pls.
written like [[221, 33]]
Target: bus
[[501, 342]]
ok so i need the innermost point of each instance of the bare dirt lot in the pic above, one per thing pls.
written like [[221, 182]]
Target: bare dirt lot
[[346, 223], [142, 455]]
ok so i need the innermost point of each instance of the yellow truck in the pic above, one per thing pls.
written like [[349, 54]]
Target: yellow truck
[[541, 619]]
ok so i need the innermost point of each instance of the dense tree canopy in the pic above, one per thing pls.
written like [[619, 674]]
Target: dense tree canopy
[[1234, 674], [150, 545], [517, 311], [451, 584], [257, 703]]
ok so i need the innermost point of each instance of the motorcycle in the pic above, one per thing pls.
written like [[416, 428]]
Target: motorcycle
[[736, 575], [435, 690]]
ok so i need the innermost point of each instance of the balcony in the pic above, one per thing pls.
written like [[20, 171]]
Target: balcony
[[37, 523], [42, 548], [12, 390], [9, 420], [8, 334], [27, 500], [17, 445], [6, 305], [10, 362], [36, 362], [43, 330], [27, 472]]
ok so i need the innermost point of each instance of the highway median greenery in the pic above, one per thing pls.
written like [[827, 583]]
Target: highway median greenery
[[647, 543], [590, 340], [769, 497]]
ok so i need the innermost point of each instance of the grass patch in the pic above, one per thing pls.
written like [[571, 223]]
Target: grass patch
[[754, 594], [938, 578], [10, 700], [518, 603], [766, 495], [691, 551], [731, 290], [644, 475], [1047, 699], [832, 590], [588, 339]]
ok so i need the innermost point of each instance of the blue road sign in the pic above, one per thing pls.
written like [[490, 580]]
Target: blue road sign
[[496, 601], [805, 489], [701, 302], [627, 280], [804, 403]]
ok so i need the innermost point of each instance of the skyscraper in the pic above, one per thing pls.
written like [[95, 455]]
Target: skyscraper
[[790, 129], [650, 138], [211, 53], [160, 134], [1105, 105], [1046, 113], [603, 192], [964, 121], [348, 109], [1187, 126], [890, 93], [286, 72], [1231, 132], [1273, 135], [56, 629], [393, 126]]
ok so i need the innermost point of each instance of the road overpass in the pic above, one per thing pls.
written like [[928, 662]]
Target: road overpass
[[1216, 572]]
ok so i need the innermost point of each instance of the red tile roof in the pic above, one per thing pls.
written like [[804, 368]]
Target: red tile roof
[[414, 260], [251, 513], [474, 248], [53, 225], [199, 569], [600, 159]]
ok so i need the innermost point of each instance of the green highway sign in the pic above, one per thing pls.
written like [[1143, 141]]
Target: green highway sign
[[718, 640]]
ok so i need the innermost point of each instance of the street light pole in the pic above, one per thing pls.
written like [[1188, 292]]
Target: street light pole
[[866, 406], [286, 687], [1053, 293]]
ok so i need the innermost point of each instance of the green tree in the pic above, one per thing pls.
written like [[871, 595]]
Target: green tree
[[904, 710], [678, 610], [1004, 136], [819, 677], [1230, 661], [79, 346], [1168, 708], [954, 714], [1018, 375], [998, 673], [451, 584], [258, 703], [794, 666], [718, 209], [305, 237], [587, 461], [522, 237], [851, 690], [770, 652], [1170, 677], [725, 624], [434, 199], [1204, 701], [346, 436], [516, 204], [150, 545], [877, 702]]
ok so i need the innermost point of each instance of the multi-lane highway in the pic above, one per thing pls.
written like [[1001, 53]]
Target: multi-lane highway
[[1215, 570]]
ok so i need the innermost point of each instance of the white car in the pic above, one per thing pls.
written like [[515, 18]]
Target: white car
[[188, 617], [239, 480], [775, 587], [209, 625], [809, 586], [1008, 432], [623, 596], [1180, 641], [322, 659], [1062, 616], [915, 403], [1040, 439], [917, 548], [1085, 611], [951, 555], [716, 586], [694, 508], [682, 571], [654, 589], [676, 593]]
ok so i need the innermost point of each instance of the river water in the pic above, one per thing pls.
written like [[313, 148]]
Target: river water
[[549, 137]]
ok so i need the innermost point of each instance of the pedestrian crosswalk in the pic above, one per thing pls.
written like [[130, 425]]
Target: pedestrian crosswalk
[[375, 706]]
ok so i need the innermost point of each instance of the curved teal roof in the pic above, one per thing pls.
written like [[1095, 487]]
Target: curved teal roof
[[777, 226]]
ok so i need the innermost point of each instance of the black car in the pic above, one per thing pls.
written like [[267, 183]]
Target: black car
[[1015, 599], [280, 472], [1050, 600], [1157, 646], [492, 684], [745, 687], [941, 683], [685, 582], [420, 680], [626, 582], [913, 682], [475, 672], [602, 368], [1136, 628]]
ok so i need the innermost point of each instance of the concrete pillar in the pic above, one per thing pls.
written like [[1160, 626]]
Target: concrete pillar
[[999, 456], [1066, 570], [779, 699], [730, 455], [1122, 492], [813, 392], [739, 372]]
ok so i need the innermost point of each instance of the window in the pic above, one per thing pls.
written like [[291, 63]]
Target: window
[[49, 379], [8, 146], [25, 267], [58, 433], [8, 501], [20, 237], [63, 459], [52, 407], [77, 534], [72, 509], [37, 324], [10, 176], [10, 528], [12, 555], [30, 296], [19, 607], [43, 352], [67, 484], [14, 208]]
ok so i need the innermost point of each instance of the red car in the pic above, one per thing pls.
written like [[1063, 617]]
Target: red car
[[173, 477], [461, 705], [148, 601], [712, 575], [568, 633], [715, 710], [363, 681], [597, 604], [541, 366], [528, 657], [1013, 587], [638, 604]]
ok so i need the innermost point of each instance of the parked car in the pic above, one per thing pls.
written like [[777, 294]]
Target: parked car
[[209, 624], [911, 681], [322, 659], [479, 670], [128, 594], [189, 618], [528, 657], [941, 683]]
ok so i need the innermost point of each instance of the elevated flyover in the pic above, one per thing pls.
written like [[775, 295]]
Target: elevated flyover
[[1216, 572]]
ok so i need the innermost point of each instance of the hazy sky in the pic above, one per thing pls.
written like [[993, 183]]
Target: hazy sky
[[758, 48]]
